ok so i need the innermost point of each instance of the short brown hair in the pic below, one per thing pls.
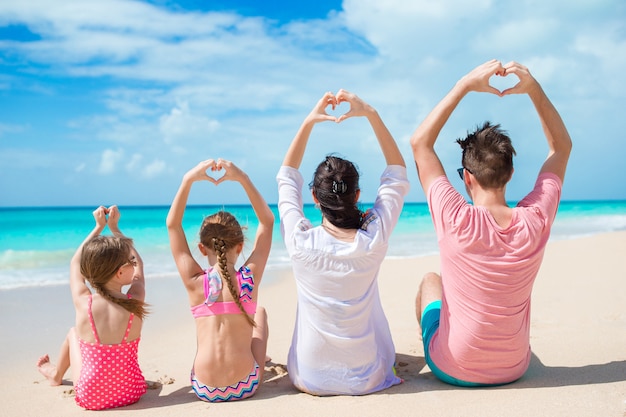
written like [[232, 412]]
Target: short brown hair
[[488, 155]]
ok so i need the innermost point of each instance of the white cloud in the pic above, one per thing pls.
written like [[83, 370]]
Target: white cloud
[[136, 166], [412, 30], [134, 163], [132, 39], [521, 35], [153, 169], [181, 125], [606, 49], [109, 160], [6, 128]]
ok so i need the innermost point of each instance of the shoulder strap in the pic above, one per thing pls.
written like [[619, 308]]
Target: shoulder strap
[[246, 283], [91, 322], [212, 286], [206, 282], [130, 323]]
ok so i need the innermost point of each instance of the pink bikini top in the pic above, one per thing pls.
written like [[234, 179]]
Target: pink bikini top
[[213, 288]]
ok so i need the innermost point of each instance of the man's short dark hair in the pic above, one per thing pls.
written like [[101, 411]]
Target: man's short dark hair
[[488, 155]]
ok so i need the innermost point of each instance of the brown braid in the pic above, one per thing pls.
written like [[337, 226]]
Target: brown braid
[[220, 249], [100, 259]]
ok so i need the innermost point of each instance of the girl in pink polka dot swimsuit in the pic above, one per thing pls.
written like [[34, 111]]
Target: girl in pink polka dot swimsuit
[[102, 346]]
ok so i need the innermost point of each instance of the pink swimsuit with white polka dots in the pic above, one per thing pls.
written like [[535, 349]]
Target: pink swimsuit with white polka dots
[[110, 376]]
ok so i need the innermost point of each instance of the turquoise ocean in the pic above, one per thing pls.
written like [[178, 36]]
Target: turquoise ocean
[[36, 244]]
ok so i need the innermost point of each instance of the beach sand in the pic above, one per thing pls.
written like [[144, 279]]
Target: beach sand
[[578, 339]]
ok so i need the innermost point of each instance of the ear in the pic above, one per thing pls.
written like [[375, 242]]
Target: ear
[[239, 248], [119, 273], [470, 183], [202, 249], [466, 179], [358, 194], [315, 200]]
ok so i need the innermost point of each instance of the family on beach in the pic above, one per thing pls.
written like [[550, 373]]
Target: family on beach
[[474, 314]]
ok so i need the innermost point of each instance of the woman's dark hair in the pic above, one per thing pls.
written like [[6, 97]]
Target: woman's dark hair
[[335, 185], [488, 155], [100, 259], [221, 232]]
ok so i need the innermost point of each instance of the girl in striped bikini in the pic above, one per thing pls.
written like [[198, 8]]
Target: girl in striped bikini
[[231, 329]]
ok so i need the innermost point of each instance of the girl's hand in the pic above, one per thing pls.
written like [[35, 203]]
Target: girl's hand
[[100, 215], [231, 171], [199, 172], [114, 216]]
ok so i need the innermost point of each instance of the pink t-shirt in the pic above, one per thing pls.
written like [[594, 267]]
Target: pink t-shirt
[[488, 273]]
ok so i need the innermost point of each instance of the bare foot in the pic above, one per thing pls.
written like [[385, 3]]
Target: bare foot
[[47, 369]]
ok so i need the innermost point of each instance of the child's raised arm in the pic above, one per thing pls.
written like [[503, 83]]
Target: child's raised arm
[[263, 239], [137, 289], [187, 266], [77, 280]]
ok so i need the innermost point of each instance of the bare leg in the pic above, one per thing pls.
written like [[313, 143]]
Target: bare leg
[[54, 373], [430, 290], [260, 335], [76, 357]]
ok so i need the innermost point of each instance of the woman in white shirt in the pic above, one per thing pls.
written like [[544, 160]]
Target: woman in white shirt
[[341, 342]]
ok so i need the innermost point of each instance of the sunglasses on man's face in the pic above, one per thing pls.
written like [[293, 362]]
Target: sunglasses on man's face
[[461, 174]]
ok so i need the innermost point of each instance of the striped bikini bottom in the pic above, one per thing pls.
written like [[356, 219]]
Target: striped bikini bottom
[[237, 391]]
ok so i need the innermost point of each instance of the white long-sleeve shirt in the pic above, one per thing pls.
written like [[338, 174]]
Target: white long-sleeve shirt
[[341, 341]]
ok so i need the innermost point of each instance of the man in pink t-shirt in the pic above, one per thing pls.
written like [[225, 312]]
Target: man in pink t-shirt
[[475, 314]]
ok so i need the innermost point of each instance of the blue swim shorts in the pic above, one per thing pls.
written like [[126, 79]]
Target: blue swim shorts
[[430, 325]]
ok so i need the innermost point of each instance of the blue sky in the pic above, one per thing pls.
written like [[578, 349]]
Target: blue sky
[[112, 101]]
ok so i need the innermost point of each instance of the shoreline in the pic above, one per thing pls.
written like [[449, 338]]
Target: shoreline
[[578, 342], [24, 265], [277, 268]]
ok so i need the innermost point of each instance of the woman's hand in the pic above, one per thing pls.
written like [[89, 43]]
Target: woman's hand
[[199, 172], [357, 106], [318, 114], [231, 171]]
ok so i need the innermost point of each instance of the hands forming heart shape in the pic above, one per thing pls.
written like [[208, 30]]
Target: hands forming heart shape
[[207, 170], [501, 84], [357, 107], [105, 215], [480, 79]]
